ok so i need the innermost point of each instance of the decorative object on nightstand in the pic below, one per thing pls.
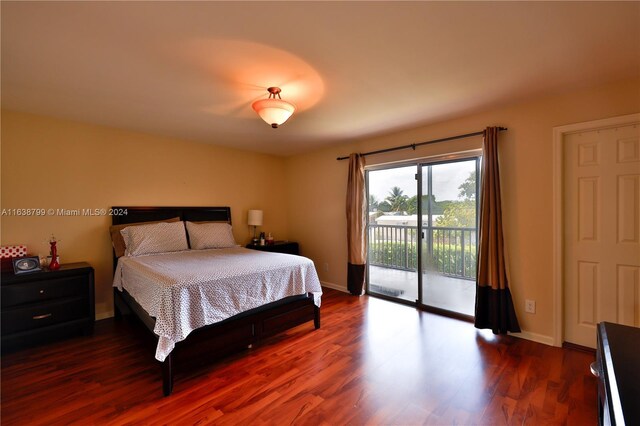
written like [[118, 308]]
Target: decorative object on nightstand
[[287, 247], [46, 306], [26, 265], [54, 265], [7, 253], [255, 219]]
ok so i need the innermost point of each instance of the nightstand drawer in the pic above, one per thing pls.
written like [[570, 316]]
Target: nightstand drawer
[[46, 306], [44, 314], [36, 291]]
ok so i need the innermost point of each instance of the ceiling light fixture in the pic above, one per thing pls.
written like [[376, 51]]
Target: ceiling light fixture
[[274, 111]]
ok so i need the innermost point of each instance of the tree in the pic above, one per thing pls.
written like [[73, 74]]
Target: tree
[[384, 206], [373, 203], [397, 200], [461, 214], [468, 187], [458, 214]]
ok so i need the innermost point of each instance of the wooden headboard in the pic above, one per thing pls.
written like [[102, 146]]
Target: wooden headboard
[[192, 214], [150, 214]]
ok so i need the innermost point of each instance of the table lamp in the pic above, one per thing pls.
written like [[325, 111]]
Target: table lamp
[[255, 220]]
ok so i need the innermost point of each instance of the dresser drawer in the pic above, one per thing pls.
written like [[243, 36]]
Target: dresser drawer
[[43, 290], [41, 315]]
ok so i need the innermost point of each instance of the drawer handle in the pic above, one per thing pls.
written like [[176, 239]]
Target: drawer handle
[[594, 369], [39, 317]]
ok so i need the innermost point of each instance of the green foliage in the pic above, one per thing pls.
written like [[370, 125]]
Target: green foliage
[[448, 260], [439, 207], [458, 214], [468, 187], [461, 214], [394, 254], [373, 203], [412, 205], [445, 259], [383, 206], [397, 200]]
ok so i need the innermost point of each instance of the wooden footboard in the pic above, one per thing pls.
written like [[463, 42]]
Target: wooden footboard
[[242, 330]]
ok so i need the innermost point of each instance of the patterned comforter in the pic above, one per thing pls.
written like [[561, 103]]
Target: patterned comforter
[[190, 289]]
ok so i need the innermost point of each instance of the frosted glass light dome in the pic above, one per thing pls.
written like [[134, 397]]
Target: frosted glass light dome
[[274, 111]]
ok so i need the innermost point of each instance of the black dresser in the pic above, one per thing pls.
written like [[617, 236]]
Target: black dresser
[[46, 306], [287, 247], [618, 369]]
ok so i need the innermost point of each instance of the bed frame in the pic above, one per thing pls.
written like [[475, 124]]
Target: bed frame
[[242, 330]]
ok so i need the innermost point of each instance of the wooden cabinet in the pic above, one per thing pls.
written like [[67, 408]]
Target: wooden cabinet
[[617, 367], [287, 247], [46, 306]]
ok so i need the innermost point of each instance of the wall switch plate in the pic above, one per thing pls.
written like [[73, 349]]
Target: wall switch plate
[[326, 267], [530, 306]]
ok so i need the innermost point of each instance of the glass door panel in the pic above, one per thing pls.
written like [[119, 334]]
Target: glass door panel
[[449, 217], [392, 232]]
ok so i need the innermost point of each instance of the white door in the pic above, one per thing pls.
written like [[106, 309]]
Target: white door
[[601, 231]]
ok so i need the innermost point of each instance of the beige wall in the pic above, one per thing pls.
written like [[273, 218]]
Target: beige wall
[[72, 165], [317, 187], [51, 163]]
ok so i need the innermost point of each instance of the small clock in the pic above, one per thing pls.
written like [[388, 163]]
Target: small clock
[[25, 265]]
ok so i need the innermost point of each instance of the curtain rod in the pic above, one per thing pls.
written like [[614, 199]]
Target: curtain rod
[[414, 145]]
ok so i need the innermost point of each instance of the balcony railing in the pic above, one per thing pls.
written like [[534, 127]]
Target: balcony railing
[[449, 251]]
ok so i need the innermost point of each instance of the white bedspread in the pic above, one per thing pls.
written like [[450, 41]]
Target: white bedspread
[[190, 289]]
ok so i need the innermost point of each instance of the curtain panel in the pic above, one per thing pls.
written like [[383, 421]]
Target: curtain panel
[[356, 225], [494, 305]]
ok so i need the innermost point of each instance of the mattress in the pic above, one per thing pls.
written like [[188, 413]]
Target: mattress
[[187, 290]]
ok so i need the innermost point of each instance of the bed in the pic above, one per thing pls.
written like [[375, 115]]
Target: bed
[[232, 296]]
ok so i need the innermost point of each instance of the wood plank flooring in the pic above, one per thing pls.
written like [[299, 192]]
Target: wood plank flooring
[[372, 362]]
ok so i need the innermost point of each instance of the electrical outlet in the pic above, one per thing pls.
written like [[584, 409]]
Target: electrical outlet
[[325, 267], [530, 306]]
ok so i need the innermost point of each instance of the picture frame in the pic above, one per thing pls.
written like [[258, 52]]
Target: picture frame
[[26, 265]]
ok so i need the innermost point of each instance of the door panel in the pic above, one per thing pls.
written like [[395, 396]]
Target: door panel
[[601, 231], [449, 218], [392, 233]]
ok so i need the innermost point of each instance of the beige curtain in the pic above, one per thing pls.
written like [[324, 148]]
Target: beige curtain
[[356, 224], [494, 306]]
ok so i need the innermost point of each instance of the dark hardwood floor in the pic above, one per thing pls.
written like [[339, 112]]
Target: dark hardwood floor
[[372, 362]]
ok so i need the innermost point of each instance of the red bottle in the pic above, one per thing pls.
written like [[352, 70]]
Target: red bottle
[[54, 265]]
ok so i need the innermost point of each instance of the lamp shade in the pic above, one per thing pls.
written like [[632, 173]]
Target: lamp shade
[[255, 218], [273, 111]]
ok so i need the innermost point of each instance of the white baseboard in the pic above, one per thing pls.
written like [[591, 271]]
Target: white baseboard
[[334, 286], [534, 337]]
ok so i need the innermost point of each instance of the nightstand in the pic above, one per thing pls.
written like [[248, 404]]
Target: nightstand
[[46, 306], [287, 247]]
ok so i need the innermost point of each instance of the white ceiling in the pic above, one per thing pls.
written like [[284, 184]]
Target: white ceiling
[[355, 69]]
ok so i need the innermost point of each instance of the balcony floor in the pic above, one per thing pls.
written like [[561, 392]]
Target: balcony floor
[[452, 294]]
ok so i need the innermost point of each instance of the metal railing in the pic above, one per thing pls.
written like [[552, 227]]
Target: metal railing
[[447, 250]]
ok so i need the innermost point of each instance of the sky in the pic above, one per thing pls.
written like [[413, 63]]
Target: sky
[[446, 180]]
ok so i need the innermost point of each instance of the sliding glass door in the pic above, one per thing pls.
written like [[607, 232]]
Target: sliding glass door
[[393, 233], [448, 250], [423, 253]]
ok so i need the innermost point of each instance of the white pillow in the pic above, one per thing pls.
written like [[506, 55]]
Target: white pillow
[[210, 235], [154, 238]]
